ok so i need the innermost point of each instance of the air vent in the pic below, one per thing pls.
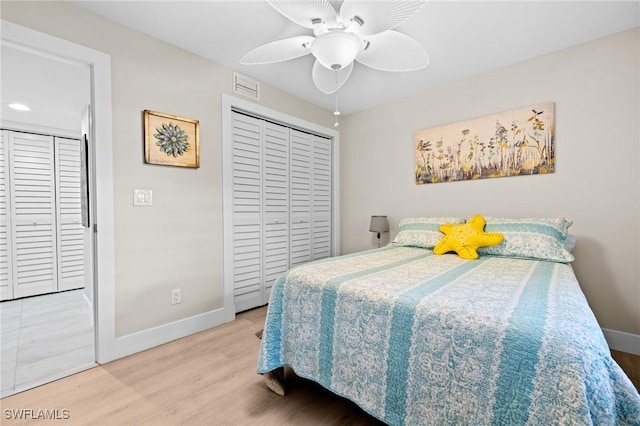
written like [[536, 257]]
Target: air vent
[[246, 86]]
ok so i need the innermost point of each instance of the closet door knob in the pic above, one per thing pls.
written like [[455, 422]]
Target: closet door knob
[[34, 223], [277, 221]]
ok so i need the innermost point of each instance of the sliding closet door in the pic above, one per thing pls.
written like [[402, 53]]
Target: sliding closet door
[[275, 196], [6, 289], [31, 158], [247, 218], [70, 232], [321, 202]]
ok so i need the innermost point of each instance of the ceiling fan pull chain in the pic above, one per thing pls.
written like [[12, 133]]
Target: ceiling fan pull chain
[[336, 113]]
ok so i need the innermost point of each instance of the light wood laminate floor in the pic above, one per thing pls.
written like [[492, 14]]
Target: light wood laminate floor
[[44, 338], [208, 378]]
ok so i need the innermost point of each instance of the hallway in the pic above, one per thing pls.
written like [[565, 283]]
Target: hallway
[[44, 338]]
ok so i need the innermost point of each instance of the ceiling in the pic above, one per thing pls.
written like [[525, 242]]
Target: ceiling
[[56, 90], [462, 38]]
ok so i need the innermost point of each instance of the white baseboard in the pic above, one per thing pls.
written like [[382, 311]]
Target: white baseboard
[[146, 339], [623, 342]]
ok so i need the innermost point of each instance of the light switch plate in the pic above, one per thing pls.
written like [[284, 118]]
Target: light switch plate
[[142, 197]]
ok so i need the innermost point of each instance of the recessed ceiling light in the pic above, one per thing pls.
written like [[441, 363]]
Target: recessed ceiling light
[[19, 107]]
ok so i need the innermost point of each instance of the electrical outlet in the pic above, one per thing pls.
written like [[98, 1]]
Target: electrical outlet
[[176, 296]]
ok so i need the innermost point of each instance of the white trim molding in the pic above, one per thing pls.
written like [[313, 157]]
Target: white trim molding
[[622, 341], [44, 130], [155, 336]]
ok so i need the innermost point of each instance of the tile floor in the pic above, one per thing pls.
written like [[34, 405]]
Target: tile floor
[[44, 338]]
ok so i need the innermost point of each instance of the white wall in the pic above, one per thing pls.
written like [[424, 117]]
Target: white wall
[[176, 243], [596, 89]]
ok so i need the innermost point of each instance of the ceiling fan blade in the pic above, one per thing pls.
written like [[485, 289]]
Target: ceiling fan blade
[[393, 51], [325, 79], [303, 12], [377, 16], [278, 51]]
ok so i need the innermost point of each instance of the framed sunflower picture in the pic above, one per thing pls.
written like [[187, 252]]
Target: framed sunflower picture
[[171, 140]]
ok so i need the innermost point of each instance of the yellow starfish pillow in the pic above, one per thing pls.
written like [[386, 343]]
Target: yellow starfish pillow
[[466, 238]]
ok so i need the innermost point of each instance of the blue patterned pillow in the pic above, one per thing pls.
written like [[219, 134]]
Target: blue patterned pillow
[[530, 238], [422, 231]]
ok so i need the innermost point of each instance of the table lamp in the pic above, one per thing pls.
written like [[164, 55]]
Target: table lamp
[[379, 224]]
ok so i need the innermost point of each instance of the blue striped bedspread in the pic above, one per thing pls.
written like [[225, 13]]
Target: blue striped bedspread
[[416, 338]]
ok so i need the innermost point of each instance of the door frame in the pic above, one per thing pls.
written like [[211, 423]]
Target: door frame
[[99, 63]]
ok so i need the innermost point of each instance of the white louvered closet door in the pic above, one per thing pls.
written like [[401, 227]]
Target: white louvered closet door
[[321, 201], [301, 193], [32, 192], [6, 289], [70, 232], [247, 218], [275, 204], [280, 205]]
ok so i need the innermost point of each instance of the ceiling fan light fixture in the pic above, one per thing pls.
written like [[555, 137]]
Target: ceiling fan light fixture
[[336, 49], [359, 31]]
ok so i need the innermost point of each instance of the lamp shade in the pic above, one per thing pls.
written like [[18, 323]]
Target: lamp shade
[[336, 49], [379, 224]]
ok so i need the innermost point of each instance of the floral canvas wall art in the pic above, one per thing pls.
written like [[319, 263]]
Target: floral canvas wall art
[[512, 143], [171, 140]]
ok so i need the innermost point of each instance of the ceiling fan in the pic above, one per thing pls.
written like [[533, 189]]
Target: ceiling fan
[[360, 31]]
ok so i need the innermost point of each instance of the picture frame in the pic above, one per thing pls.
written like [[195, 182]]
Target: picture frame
[[171, 140], [518, 142]]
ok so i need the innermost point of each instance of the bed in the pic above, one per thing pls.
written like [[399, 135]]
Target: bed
[[417, 338]]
